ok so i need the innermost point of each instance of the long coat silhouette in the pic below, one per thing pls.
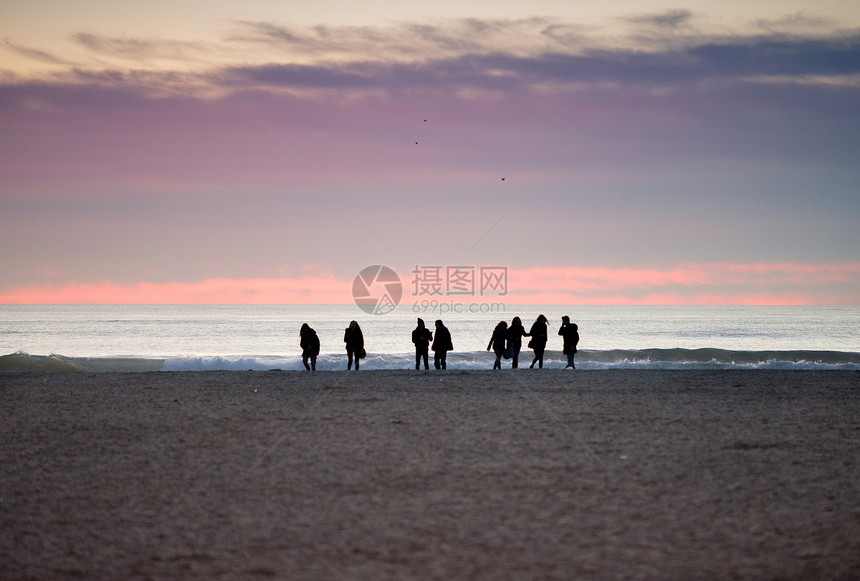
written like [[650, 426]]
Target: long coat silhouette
[[354, 340], [441, 345], [570, 333], [310, 344]]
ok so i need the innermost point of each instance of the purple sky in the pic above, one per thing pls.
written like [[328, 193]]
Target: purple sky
[[273, 149]]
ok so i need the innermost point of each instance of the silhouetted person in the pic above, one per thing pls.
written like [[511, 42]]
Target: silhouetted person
[[570, 333], [516, 332], [441, 345], [538, 336], [310, 345], [354, 340], [497, 342], [421, 336]]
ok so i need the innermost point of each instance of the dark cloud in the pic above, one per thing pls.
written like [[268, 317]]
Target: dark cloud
[[779, 57], [716, 60], [503, 55], [670, 19], [799, 22], [300, 77], [738, 60]]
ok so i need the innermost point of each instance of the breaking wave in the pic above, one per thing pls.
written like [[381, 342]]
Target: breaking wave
[[666, 359]]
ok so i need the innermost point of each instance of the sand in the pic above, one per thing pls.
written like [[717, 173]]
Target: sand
[[443, 475]]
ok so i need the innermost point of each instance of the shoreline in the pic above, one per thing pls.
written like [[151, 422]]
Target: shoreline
[[587, 360], [383, 474]]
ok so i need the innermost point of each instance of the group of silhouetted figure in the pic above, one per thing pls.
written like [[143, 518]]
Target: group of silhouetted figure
[[506, 343], [353, 339]]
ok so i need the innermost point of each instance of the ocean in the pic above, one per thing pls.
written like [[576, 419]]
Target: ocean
[[266, 337]]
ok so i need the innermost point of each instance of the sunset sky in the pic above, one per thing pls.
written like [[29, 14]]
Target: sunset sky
[[267, 151]]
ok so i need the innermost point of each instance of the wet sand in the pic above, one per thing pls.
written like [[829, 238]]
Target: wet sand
[[411, 475]]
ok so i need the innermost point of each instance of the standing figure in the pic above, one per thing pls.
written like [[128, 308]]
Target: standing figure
[[497, 342], [441, 345], [570, 333], [538, 336], [310, 345], [421, 336], [354, 340], [516, 332]]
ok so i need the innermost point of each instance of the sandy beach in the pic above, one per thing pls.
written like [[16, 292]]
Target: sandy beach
[[441, 475]]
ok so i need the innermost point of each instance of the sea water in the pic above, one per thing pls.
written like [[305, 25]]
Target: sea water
[[264, 337]]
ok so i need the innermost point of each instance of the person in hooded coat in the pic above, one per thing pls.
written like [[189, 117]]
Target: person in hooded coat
[[441, 345], [421, 336], [354, 340], [538, 334], [497, 342], [310, 345], [570, 333]]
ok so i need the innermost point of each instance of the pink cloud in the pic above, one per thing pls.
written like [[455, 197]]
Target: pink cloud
[[709, 283], [325, 289], [690, 274], [703, 284]]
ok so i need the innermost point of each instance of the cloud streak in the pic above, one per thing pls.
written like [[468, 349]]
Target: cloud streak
[[488, 54], [141, 49], [671, 19], [308, 290], [37, 54], [712, 283], [738, 60], [693, 284]]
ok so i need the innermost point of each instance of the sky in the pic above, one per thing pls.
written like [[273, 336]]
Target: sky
[[267, 151]]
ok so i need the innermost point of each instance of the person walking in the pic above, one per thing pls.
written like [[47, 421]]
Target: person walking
[[516, 332], [538, 334], [421, 337], [354, 340], [441, 345], [310, 345], [570, 333], [497, 343]]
